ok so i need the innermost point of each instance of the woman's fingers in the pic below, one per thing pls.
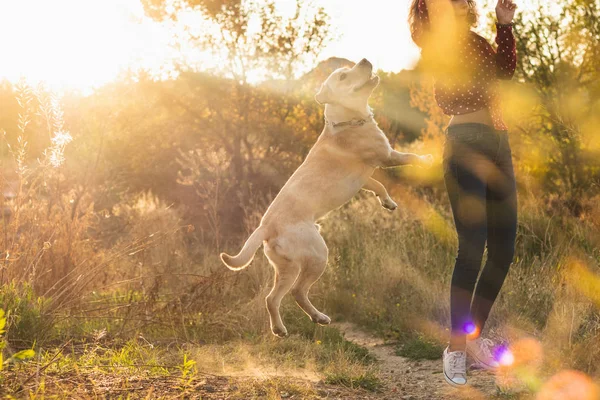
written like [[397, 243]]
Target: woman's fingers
[[507, 5], [505, 11]]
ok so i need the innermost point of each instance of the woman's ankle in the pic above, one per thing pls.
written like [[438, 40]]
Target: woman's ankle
[[457, 343]]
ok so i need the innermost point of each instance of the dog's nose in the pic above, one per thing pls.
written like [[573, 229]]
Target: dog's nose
[[364, 61]]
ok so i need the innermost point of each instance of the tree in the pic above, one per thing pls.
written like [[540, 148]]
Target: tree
[[559, 54], [253, 42]]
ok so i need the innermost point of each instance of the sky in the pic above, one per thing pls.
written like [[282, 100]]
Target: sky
[[360, 25], [81, 44], [77, 43]]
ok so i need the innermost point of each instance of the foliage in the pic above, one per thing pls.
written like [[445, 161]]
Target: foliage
[[252, 36], [558, 58], [187, 369], [16, 357]]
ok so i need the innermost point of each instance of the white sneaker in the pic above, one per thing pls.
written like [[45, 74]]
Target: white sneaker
[[480, 350], [455, 367]]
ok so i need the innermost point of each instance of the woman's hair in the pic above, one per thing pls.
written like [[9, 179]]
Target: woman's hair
[[418, 19]]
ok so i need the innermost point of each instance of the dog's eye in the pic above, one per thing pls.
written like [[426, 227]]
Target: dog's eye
[[342, 77]]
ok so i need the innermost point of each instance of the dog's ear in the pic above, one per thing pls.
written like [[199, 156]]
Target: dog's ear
[[324, 95]]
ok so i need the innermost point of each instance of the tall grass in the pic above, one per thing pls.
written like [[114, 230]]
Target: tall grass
[[134, 270]]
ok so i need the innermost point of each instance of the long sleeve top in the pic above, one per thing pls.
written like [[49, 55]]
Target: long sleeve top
[[478, 88]]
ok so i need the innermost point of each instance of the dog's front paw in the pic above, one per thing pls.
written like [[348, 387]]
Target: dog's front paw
[[426, 160], [389, 204], [321, 319], [279, 331]]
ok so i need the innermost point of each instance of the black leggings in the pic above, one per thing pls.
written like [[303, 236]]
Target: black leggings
[[480, 181]]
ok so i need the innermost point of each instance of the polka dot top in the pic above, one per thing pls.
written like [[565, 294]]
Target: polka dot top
[[477, 89]]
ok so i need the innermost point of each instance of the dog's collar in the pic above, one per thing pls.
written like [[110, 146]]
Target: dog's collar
[[352, 122]]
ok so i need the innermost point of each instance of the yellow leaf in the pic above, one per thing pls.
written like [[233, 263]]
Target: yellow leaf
[[24, 354]]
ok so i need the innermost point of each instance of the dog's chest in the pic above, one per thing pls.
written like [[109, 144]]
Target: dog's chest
[[349, 140], [360, 145]]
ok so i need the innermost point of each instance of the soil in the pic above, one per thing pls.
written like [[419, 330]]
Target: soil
[[417, 379]]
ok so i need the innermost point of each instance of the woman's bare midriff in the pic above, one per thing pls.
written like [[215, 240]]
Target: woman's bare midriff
[[480, 116]]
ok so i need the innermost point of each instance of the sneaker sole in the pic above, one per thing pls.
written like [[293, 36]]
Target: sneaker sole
[[451, 383], [481, 363]]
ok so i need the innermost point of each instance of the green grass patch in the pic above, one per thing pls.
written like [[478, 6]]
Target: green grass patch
[[420, 348], [368, 381], [329, 339]]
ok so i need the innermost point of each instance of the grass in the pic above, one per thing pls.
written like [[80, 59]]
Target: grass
[[258, 365], [420, 348], [388, 280], [121, 296], [369, 381], [274, 388]]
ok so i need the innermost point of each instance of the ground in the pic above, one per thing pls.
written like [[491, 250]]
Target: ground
[[417, 379], [401, 378]]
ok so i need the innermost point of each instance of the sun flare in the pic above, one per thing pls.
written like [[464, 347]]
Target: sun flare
[[77, 44], [83, 44]]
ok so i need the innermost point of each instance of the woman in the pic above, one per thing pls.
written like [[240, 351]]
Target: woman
[[478, 170]]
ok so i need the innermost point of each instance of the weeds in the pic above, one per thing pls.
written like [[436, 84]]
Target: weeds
[[188, 371], [369, 381], [16, 357], [420, 348]]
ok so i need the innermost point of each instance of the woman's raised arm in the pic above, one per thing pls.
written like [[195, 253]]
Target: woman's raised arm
[[506, 55]]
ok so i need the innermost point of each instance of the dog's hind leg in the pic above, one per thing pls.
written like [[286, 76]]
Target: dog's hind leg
[[286, 272], [310, 271]]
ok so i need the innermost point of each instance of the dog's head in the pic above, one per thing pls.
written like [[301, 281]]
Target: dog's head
[[349, 87]]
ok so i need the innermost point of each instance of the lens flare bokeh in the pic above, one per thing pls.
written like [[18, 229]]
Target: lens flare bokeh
[[569, 385]]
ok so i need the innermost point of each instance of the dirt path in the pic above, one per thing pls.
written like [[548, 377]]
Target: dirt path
[[416, 380]]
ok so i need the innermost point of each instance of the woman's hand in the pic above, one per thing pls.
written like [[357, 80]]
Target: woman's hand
[[505, 11]]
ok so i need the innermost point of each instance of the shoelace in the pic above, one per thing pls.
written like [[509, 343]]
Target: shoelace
[[457, 360], [484, 345]]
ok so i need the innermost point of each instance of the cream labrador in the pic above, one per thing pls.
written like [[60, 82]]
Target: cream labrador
[[337, 167]]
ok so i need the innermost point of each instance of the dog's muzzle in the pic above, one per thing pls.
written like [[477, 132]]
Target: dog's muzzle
[[373, 79]]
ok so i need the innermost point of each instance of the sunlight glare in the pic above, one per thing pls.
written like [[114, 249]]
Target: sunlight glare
[[77, 43], [83, 44]]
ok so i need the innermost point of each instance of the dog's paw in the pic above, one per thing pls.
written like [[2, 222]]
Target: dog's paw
[[389, 204], [426, 160], [321, 319], [279, 331]]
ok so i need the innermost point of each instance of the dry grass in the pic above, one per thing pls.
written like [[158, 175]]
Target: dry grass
[[136, 289]]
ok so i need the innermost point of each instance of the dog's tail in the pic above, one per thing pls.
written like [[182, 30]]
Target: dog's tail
[[246, 255]]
